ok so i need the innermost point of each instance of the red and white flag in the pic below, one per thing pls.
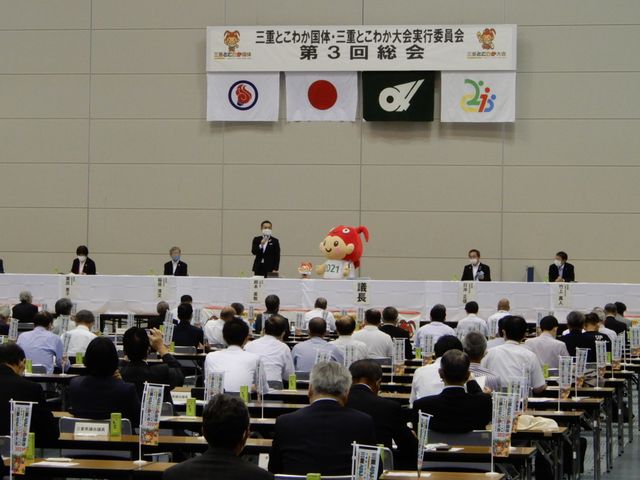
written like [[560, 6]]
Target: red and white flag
[[243, 97], [328, 97]]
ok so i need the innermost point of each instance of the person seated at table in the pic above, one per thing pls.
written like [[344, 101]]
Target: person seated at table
[[63, 308], [136, 343], [611, 322], [545, 346], [275, 354], [436, 328], [475, 346], [320, 310], [42, 346], [239, 309], [101, 391], [509, 359], [175, 266], [16, 387], [82, 264], [185, 334], [239, 366], [272, 306], [391, 328], [503, 309], [345, 326], [25, 310], [305, 353], [388, 417], [226, 428], [427, 380], [319, 438], [621, 308], [161, 308], [583, 333], [379, 344], [499, 340], [455, 410], [560, 270], [5, 319], [472, 322], [475, 271], [599, 311], [81, 336], [213, 328]]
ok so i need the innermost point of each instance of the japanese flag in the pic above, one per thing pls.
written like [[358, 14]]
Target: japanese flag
[[243, 97], [331, 96]]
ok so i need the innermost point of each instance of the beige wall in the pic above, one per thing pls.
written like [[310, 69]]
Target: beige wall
[[103, 141]]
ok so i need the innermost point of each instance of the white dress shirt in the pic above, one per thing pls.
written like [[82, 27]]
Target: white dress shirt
[[343, 341], [496, 318], [435, 329], [213, 332], [379, 344], [304, 353], [319, 312], [276, 357], [494, 342], [547, 349], [79, 339], [426, 381], [508, 360], [174, 265], [239, 367], [603, 330], [472, 323]]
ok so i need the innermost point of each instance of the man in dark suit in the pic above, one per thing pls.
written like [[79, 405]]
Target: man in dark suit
[[391, 328], [319, 438], [82, 264], [611, 322], [266, 249], [454, 410], [25, 310], [476, 271], [225, 426], [175, 266], [388, 418], [560, 270], [272, 306], [136, 370], [185, 334], [18, 388]]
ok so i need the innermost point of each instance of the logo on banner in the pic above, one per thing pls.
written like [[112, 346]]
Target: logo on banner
[[232, 40], [322, 94], [398, 98], [243, 95], [486, 39], [477, 102]]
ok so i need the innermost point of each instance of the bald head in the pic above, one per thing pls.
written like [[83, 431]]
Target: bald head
[[227, 313], [504, 305]]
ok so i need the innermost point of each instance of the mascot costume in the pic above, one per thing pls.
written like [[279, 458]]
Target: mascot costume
[[342, 248]]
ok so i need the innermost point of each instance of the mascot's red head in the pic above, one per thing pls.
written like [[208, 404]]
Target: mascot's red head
[[344, 243]]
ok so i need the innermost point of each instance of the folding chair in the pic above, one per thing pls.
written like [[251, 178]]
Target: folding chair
[[474, 438]]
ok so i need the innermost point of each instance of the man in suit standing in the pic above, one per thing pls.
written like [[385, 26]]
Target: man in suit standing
[[82, 264], [454, 410], [175, 266], [560, 270], [319, 438], [266, 249], [476, 271], [225, 426], [388, 418]]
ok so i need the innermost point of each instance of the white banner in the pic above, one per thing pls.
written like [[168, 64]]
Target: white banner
[[151, 408], [20, 423], [331, 97], [365, 462], [213, 385], [423, 436], [243, 97], [361, 48], [478, 97]]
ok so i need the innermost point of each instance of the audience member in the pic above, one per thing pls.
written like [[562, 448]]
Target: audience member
[[611, 322], [275, 354], [472, 322], [499, 340], [42, 346], [272, 306], [599, 311], [25, 310], [5, 319], [621, 309], [161, 308], [213, 328], [345, 326], [185, 334], [63, 308], [545, 346], [320, 310], [379, 344], [436, 328], [305, 353], [81, 336], [504, 307], [474, 345], [391, 328]]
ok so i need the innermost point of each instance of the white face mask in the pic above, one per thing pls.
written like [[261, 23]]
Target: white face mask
[[266, 232], [474, 261], [557, 263], [82, 258]]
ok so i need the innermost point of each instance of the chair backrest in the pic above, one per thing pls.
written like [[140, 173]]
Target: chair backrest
[[302, 375], [37, 368], [185, 349], [167, 409], [24, 326], [474, 438], [5, 446], [190, 380], [68, 424], [381, 361]]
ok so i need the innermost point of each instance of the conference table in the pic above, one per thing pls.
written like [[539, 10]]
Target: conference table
[[89, 468]]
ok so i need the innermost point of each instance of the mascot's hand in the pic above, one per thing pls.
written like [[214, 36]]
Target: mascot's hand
[[320, 269], [347, 269]]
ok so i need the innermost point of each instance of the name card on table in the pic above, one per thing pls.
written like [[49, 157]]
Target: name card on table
[[361, 293], [91, 429], [562, 295], [256, 290]]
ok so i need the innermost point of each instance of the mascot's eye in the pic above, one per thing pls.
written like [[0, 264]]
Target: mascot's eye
[[335, 244], [345, 230]]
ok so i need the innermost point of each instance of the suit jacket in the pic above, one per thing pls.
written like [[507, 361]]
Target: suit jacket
[[19, 388], [98, 397], [574, 341], [169, 372], [88, 269], [396, 332], [257, 326], [267, 261], [187, 335], [456, 411], [568, 273], [612, 323], [318, 439], [181, 269], [389, 421], [24, 312], [218, 463], [467, 273]]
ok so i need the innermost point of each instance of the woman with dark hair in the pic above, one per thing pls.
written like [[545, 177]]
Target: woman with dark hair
[[82, 264], [102, 391]]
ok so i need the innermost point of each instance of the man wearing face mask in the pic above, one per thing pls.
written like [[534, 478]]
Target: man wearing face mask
[[476, 271], [266, 249], [560, 270], [175, 267], [82, 264]]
